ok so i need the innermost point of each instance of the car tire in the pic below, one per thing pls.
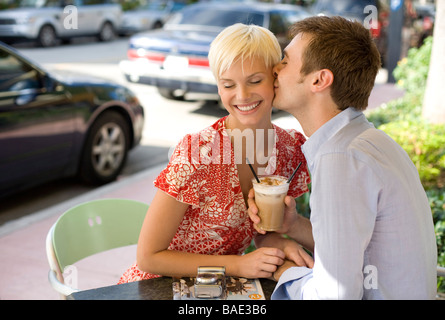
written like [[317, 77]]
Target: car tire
[[107, 32], [47, 36], [158, 25], [106, 149], [169, 94]]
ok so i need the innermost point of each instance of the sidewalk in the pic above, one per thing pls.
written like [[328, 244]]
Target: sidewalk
[[23, 263]]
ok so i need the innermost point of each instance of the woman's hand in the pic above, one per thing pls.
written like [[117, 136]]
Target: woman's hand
[[261, 263]]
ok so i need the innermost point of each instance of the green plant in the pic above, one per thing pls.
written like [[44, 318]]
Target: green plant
[[437, 203], [411, 74], [412, 71], [425, 145]]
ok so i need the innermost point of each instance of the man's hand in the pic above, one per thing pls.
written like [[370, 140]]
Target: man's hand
[[286, 265], [290, 213]]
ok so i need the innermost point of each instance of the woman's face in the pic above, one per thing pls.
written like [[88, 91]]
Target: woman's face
[[247, 91]]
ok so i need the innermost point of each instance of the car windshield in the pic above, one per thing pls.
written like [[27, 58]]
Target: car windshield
[[341, 7], [218, 18], [38, 3]]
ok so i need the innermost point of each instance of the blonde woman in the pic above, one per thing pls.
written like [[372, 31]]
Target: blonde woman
[[199, 214]]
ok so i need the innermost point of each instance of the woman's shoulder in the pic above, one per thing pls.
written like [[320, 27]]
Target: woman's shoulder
[[198, 148], [291, 136]]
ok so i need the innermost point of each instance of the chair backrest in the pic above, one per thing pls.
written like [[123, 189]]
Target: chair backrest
[[96, 226]]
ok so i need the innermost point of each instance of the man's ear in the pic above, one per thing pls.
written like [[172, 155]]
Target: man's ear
[[322, 80]]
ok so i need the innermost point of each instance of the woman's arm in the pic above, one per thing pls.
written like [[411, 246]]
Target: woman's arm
[[160, 225]]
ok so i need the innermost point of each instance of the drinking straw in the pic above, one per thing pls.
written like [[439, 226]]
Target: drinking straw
[[253, 171], [293, 174]]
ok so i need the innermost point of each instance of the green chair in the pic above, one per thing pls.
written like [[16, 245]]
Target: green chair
[[90, 228]]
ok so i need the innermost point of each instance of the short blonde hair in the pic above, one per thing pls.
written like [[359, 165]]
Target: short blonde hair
[[241, 41]]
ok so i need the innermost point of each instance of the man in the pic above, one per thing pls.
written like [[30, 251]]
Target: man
[[371, 229]]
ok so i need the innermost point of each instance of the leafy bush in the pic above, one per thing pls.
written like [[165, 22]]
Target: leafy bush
[[412, 72], [437, 202], [425, 144]]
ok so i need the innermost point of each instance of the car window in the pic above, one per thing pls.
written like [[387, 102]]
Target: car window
[[341, 7], [281, 20], [39, 3], [216, 18], [277, 24], [16, 75], [94, 2]]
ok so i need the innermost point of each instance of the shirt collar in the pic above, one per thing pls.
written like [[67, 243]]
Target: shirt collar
[[327, 131]]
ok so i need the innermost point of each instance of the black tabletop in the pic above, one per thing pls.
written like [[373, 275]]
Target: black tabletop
[[152, 289]]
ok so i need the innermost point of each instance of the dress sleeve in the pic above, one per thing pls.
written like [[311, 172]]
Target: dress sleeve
[[290, 154], [183, 177]]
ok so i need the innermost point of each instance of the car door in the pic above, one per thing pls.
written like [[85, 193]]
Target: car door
[[91, 13], [36, 125]]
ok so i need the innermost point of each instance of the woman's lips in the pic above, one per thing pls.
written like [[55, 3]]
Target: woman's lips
[[248, 107]]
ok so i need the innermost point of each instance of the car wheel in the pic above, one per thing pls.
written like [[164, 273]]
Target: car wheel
[[107, 32], [157, 25], [106, 149], [170, 94], [47, 37]]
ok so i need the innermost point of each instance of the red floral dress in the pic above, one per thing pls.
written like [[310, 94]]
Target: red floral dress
[[201, 174]]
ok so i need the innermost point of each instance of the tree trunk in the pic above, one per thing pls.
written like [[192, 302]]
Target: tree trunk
[[434, 104]]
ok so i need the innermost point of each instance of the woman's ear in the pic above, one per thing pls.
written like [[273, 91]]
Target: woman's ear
[[322, 80]]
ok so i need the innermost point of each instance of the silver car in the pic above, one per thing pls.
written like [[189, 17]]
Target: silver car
[[47, 21], [152, 15]]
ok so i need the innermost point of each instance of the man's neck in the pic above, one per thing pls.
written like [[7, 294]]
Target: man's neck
[[315, 116]]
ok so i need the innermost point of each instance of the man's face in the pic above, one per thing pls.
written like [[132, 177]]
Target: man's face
[[290, 85]]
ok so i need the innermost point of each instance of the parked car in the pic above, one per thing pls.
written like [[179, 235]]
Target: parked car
[[47, 21], [174, 59], [355, 10], [351, 9], [152, 15], [52, 127]]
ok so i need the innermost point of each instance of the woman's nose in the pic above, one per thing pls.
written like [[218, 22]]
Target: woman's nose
[[243, 93]]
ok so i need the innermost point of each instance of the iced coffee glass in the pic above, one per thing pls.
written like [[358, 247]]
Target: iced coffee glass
[[269, 198]]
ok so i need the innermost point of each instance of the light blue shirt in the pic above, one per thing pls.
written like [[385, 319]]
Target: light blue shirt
[[371, 221]]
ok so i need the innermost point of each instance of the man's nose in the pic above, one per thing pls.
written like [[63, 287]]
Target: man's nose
[[276, 69]]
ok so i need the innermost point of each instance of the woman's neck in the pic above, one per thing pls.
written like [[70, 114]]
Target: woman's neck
[[254, 143]]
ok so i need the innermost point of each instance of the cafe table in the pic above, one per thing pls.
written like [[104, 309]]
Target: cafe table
[[151, 289]]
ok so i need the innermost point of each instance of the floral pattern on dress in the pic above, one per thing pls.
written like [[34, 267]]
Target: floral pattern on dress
[[202, 175]]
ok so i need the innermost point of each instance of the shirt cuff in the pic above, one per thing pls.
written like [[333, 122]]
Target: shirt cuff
[[291, 283]]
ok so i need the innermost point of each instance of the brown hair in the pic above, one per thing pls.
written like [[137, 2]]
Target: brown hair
[[347, 49]]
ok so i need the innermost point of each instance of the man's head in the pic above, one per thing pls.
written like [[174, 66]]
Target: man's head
[[342, 47]]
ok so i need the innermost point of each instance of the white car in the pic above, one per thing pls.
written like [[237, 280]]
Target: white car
[[47, 21]]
